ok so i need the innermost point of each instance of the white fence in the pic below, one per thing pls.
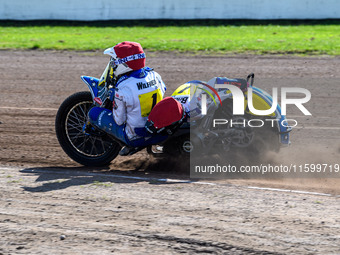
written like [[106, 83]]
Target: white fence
[[87, 10]]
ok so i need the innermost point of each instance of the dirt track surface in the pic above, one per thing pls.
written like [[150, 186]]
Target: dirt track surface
[[44, 194]]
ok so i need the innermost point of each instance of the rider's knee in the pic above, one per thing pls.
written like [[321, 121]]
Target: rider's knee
[[94, 114]]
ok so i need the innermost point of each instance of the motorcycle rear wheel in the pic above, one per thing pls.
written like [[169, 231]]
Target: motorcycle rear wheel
[[94, 148]]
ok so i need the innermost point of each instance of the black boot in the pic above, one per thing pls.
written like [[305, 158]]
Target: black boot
[[127, 150]]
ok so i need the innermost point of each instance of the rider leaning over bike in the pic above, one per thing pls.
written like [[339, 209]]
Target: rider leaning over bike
[[136, 90]]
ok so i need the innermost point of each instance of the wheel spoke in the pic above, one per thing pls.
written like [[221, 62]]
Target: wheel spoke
[[93, 144], [82, 110], [103, 146], [76, 118], [76, 136], [75, 126], [93, 147]]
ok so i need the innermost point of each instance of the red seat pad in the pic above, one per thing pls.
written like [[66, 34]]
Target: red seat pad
[[166, 112]]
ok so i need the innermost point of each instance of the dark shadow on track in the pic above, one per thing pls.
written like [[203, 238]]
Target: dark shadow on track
[[57, 178]]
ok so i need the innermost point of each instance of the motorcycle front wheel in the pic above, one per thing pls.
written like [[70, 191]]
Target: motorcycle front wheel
[[89, 148]]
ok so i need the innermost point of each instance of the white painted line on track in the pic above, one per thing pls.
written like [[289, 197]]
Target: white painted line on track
[[32, 171], [293, 191]]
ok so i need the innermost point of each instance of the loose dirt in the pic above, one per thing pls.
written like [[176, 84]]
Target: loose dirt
[[44, 194]]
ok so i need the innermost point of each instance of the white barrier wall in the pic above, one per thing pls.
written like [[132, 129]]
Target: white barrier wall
[[87, 10]]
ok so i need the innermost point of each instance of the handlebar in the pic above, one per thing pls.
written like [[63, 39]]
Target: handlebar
[[251, 76]]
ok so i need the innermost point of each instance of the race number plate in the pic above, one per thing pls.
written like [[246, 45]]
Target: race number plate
[[149, 100]]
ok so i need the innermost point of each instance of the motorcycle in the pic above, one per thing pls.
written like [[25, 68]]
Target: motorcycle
[[196, 134]]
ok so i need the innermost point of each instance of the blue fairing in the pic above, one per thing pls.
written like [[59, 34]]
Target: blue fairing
[[99, 93], [283, 130], [92, 83]]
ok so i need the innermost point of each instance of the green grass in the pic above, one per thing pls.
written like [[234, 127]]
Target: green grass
[[310, 39]]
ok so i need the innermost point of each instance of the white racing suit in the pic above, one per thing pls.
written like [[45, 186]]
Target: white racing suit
[[134, 97]]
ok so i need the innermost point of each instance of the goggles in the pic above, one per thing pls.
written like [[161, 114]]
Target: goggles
[[119, 61]]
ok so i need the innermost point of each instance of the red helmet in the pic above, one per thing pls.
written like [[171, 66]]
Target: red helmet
[[126, 57]]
